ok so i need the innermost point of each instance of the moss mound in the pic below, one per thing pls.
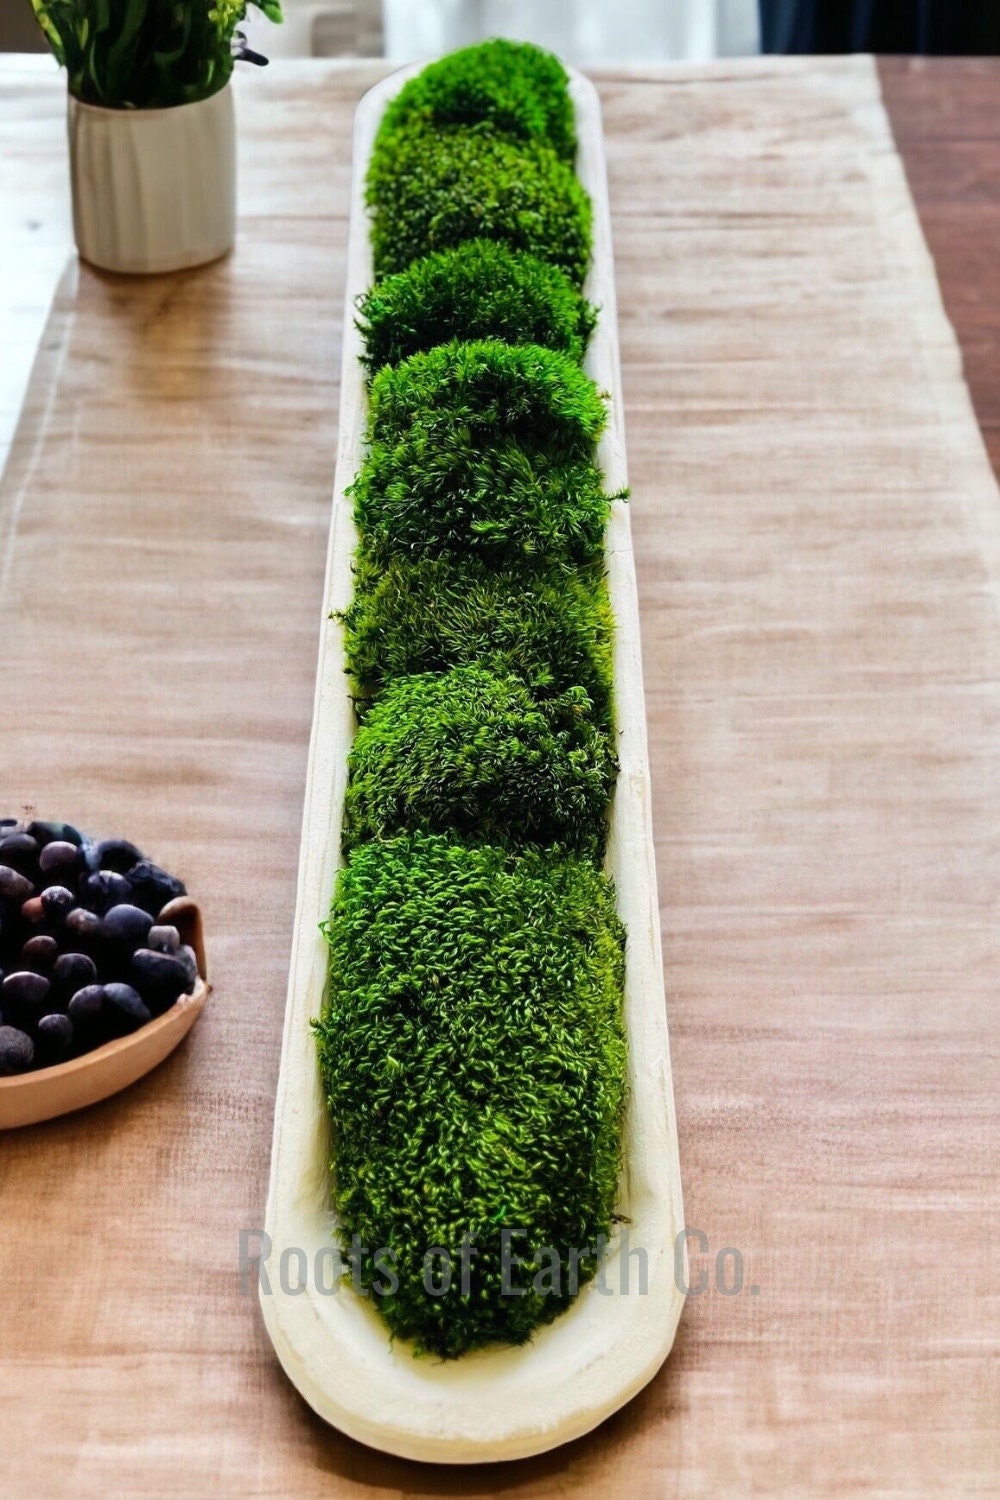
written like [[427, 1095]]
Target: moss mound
[[473, 1057], [551, 629], [513, 88], [486, 446], [472, 753], [472, 1043], [431, 190], [481, 289]]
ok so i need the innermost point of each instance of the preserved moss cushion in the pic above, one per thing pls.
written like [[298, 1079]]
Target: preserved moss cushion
[[551, 629], [481, 289], [486, 446], [430, 190], [473, 1057], [513, 88], [472, 753]]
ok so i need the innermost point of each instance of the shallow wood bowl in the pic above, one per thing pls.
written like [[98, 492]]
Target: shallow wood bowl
[[500, 1403], [29, 1098]]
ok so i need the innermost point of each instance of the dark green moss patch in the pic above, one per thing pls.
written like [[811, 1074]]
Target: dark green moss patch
[[551, 629], [473, 1056], [481, 289], [513, 88], [430, 190], [485, 446], [469, 752]]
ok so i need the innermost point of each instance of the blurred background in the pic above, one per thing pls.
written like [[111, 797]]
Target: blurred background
[[592, 32]]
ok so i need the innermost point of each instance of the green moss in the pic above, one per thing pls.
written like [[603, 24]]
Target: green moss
[[479, 290], [513, 88], [475, 754], [430, 190], [551, 629], [535, 394], [483, 445], [473, 1057], [472, 1043]]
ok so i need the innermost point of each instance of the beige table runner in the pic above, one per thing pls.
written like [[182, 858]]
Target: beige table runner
[[817, 533]]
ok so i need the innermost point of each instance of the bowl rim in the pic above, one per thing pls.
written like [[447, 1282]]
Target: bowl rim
[[35, 1077]]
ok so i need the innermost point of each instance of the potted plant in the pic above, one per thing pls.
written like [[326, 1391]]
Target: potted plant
[[151, 129]]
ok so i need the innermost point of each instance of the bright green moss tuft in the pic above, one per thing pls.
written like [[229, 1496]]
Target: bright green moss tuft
[[551, 629], [481, 289], [485, 446], [475, 754], [500, 389], [473, 1057], [430, 190], [513, 88]]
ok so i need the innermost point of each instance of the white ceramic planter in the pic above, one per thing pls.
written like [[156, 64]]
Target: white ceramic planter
[[153, 189]]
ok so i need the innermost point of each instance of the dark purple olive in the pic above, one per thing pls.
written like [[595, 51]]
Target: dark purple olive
[[78, 924], [47, 833], [104, 888], [189, 959], [86, 1006], [84, 925], [161, 977], [127, 926], [113, 854], [74, 971], [24, 992], [17, 1051], [124, 1008], [13, 885], [53, 1038], [163, 939], [57, 902], [152, 887], [20, 852], [40, 953], [57, 856]]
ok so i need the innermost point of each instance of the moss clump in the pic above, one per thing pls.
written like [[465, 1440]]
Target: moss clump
[[473, 1057], [430, 190], [485, 446], [481, 289], [551, 629], [472, 753], [513, 88]]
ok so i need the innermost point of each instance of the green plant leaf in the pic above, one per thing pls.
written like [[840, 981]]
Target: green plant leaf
[[119, 51]]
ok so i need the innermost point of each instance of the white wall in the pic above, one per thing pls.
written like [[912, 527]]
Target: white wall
[[582, 31]]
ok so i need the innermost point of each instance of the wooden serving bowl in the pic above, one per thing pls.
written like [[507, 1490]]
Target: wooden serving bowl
[[504, 1402], [29, 1098]]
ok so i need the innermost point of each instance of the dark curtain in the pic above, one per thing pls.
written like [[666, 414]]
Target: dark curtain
[[956, 27]]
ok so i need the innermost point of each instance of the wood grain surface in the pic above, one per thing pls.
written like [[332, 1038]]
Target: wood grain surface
[[945, 116], [818, 548]]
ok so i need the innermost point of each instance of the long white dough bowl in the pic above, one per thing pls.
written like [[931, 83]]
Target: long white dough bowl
[[508, 1402]]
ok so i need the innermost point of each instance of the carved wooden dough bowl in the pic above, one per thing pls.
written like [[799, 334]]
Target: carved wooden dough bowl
[[501, 1403], [29, 1098]]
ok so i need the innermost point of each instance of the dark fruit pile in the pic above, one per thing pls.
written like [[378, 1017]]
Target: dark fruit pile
[[83, 958]]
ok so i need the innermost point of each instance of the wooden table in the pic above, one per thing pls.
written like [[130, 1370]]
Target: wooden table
[[945, 114], [162, 525]]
